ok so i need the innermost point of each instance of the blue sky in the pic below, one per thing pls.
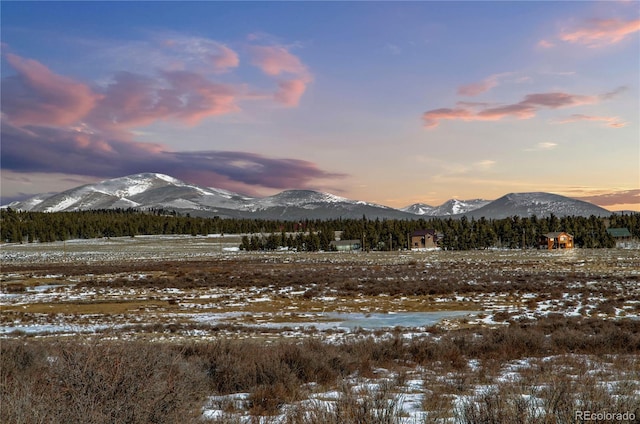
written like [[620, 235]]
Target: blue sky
[[388, 102]]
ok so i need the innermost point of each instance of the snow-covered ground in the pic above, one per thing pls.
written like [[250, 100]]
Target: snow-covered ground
[[588, 283]]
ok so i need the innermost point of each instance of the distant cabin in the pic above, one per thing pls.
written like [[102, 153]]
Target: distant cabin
[[622, 236], [424, 239], [556, 240], [346, 245]]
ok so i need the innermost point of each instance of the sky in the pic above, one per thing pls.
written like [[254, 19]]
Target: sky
[[393, 103]]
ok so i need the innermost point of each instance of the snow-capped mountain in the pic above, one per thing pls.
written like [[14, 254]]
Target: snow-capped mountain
[[419, 209], [539, 204], [143, 191], [309, 204], [448, 208], [158, 191]]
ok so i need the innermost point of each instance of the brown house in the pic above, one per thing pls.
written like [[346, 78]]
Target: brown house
[[556, 240], [424, 239]]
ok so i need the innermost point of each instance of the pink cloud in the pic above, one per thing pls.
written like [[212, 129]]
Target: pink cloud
[[54, 124], [545, 44], [609, 121], [225, 58], [525, 109], [432, 118], [519, 110], [625, 197], [601, 32], [276, 60], [556, 100], [195, 97], [612, 94], [203, 53], [289, 92], [133, 100], [36, 95], [477, 88]]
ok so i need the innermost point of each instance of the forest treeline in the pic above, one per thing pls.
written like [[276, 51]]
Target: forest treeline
[[457, 234]]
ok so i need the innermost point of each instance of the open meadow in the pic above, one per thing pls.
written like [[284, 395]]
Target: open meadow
[[189, 328]]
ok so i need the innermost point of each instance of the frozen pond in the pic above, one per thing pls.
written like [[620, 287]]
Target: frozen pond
[[349, 321], [330, 320], [395, 319]]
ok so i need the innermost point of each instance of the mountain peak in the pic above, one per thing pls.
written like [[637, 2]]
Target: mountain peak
[[159, 191], [448, 208], [537, 203]]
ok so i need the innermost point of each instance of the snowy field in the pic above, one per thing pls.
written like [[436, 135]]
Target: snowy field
[[184, 289], [192, 283]]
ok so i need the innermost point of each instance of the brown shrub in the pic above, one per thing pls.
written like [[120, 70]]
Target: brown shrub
[[72, 382]]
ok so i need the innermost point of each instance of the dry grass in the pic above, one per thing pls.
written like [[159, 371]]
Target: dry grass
[[507, 282], [569, 362]]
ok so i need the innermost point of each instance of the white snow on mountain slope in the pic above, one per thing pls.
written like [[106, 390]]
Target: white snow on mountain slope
[[539, 204], [139, 190], [450, 207], [159, 191], [63, 204], [418, 209], [305, 199], [455, 206]]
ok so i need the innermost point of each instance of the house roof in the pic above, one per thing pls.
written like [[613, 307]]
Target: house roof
[[423, 233], [619, 232], [555, 234]]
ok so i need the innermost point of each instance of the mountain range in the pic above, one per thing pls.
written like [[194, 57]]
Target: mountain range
[[157, 191]]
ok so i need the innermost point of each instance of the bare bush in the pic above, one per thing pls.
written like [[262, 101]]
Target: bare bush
[[97, 383]]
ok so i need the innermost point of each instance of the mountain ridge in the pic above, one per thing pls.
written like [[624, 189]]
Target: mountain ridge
[[158, 191]]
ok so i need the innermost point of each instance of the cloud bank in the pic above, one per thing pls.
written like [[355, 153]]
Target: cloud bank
[[53, 150], [625, 197]]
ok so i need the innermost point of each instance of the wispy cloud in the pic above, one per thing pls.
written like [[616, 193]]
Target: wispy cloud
[[203, 52], [290, 91], [546, 44], [485, 164], [292, 75], [134, 100], [601, 32], [277, 60], [525, 109], [610, 121], [476, 88], [542, 146], [393, 49], [37, 95], [164, 50], [623, 197]]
